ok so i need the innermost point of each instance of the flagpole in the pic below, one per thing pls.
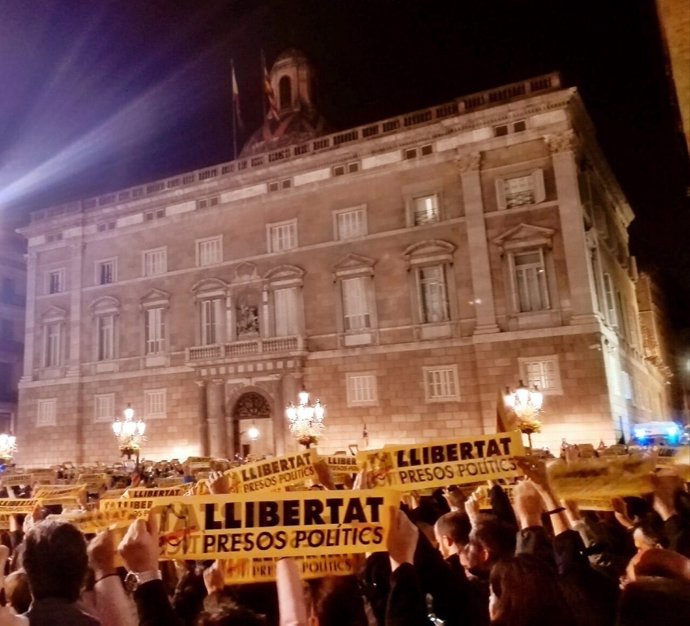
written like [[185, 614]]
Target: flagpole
[[234, 111], [263, 80]]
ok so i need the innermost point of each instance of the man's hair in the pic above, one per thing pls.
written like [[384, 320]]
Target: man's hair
[[497, 538], [55, 560], [455, 525]]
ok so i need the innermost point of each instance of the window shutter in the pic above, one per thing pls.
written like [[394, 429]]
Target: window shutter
[[538, 186], [500, 193]]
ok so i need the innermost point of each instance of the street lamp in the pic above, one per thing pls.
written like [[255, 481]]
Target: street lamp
[[306, 420], [8, 446], [129, 433], [526, 403]]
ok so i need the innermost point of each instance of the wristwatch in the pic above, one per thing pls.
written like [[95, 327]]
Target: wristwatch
[[134, 580]]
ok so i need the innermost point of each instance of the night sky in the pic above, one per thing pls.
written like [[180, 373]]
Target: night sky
[[103, 94]]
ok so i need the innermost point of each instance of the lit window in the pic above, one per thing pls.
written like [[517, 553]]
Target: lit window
[[210, 321], [356, 312], [530, 284], [106, 337], [542, 372], [425, 210], [351, 223], [154, 403], [104, 407], [56, 281], [155, 330], [105, 272], [520, 190], [441, 383], [361, 389], [52, 356], [155, 262], [46, 412], [433, 296], [283, 236], [209, 251]]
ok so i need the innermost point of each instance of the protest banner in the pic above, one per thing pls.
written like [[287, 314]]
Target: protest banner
[[94, 481], [155, 492], [341, 464], [171, 481], [608, 477], [442, 463], [245, 571], [594, 504], [13, 506], [17, 480], [45, 492], [307, 523], [272, 474], [96, 521]]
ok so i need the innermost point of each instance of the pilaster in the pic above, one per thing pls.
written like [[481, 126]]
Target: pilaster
[[216, 417], [480, 268]]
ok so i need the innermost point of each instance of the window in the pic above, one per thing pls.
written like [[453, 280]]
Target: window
[[209, 251], [46, 412], [277, 185], [211, 313], [433, 296], [355, 306], [610, 301], [350, 223], [105, 272], [346, 168], [155, 330], [622, 316], [155, 262], [542, 372], [154, 403], [425, 210], [529, 281], [285, 92], [361, 389], [441, 383], [520, 190], [285, 311], [104, 407], [51, 349], [104, 226], [501, 130], [105, 327], [56, 281], [283, 236], [53, 237], [208, 202], [627, 385], [154, 215], [520, 126]]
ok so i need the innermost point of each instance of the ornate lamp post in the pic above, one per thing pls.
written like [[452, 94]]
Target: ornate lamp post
[[129, 433], [8, 446], [526, 404], [306, 420]]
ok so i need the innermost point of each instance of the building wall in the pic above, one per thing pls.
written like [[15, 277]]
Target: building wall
[[485, 345]]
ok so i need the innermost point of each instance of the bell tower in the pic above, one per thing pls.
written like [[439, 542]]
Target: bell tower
[[292, 79]]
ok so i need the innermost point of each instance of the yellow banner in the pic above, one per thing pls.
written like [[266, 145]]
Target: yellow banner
[[94, 482], [341, 463], [602, 478], [96, 521], [244, 571], [15, 480], [307, 523], [442, 463], [58, 491], [17, 506], [594, 504], [273, 474], [155, 492]]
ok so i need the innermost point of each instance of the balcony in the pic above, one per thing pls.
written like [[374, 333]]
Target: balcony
[[245, 348]]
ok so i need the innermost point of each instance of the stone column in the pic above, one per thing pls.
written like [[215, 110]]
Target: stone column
[[216, 417], [232, 436], [202, 409], [30, 318], [478, 253], [582, 297]]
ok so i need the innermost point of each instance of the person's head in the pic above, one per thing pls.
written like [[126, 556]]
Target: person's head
[[649, 532], [337, 601], [655, 601], [524, 592], [452, 531], [18, 592], [489, 542], [55, 560]]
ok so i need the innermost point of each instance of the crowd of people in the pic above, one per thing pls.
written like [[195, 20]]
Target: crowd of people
[[528, 560]]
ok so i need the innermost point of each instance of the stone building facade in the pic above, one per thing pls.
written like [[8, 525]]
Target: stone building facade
[[12, 283], [404, 271]]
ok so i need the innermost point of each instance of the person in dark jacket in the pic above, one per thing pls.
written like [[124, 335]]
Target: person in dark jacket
[[56, 564]]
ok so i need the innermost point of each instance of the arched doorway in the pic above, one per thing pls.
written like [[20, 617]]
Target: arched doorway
[[252, 411]]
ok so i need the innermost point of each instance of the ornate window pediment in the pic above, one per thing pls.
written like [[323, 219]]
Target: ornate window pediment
[[525, 236], [155, 298], [245, 273], [210, 287], [54, 314], [429, 251], [355, 264], [105, 305]]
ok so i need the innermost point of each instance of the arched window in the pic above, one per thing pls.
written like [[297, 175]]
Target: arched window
[[285, 92]]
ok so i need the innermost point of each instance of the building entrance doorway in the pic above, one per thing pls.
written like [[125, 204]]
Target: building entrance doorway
[[252, 426]]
